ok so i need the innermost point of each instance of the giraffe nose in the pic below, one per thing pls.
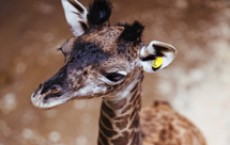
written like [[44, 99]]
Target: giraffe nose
[[51, 91], [46, 95]]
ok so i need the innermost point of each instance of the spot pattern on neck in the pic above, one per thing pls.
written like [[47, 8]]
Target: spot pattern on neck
[[119, 118]]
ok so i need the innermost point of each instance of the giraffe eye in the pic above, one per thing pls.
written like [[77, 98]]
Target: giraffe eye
[[114, 77], [67, 47]]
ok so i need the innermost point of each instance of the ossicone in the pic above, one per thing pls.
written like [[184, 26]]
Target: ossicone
[[132, 32], [99, 12]]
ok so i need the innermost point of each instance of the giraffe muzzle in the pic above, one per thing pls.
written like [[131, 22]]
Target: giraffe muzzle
[[48, 97]]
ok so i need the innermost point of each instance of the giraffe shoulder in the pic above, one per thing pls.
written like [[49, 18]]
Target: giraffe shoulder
[[162, 125]]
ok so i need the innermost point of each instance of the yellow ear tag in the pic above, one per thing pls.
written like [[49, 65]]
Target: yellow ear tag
[[157, 62]]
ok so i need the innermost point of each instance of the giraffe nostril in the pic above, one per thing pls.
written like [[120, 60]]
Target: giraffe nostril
[[54, 91], [50, 89], [52, 95], [55, 88]]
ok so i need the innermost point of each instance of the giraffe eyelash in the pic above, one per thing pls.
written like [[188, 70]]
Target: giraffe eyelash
[[114, 77]]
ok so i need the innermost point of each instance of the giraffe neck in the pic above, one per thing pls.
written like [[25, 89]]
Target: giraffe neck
[[119, 119]]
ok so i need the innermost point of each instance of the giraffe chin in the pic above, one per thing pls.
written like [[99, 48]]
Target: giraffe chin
[[46, 102]]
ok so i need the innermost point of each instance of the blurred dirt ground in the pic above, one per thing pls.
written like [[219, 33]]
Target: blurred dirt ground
[[197, 83]]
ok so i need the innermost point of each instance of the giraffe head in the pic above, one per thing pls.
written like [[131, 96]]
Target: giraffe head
[[100, 58]]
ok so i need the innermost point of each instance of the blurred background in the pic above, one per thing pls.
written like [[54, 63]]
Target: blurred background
[[196, 84]]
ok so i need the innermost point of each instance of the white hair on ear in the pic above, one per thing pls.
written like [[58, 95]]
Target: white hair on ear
[[156, 56], [76, 16]]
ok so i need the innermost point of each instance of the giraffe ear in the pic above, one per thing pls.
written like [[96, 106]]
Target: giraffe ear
[[156, 56], [76, 16]]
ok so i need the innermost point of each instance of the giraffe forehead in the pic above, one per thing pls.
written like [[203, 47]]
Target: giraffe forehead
[[105, 37], [101, 47], [87, 53]]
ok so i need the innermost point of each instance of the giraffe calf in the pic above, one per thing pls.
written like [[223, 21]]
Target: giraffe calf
[[108, 61]]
